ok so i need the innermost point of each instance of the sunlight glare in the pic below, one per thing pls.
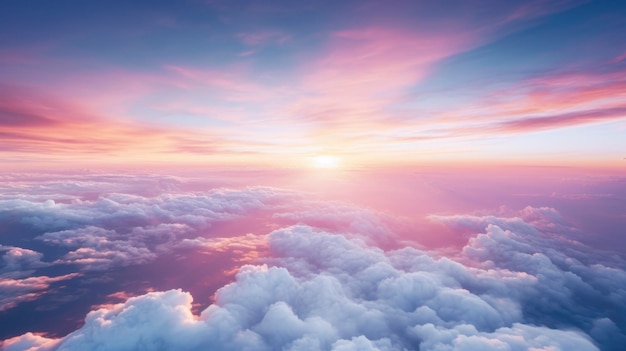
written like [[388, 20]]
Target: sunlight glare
[[326, 161]]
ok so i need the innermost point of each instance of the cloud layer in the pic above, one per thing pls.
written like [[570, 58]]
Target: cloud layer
[[123, 229], [520, 283]]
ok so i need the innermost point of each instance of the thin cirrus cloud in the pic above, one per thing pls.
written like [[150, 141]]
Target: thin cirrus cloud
[[531, 123], [19, 262], [556, 92], [31, 122], [567, 119], [362, 73], [543, 103]]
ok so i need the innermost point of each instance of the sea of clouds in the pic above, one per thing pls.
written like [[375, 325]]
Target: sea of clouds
[[317, 275]]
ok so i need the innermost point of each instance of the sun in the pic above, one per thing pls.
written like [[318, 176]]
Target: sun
[[326, 161]]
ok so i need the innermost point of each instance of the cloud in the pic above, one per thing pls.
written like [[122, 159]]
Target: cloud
[[565, 271], [351, 85], [15, 291], [30, 342], [94, 227], [331, 275], [516, 285], [366, 224], [245, 242], [118, 210], [243, 249], [18, 262], [356, 85], [557, 99], [124, 229], [41, 187], [33, 123], [113, 229], [99, 249], [517, 337], [561, 120], [120, 229]]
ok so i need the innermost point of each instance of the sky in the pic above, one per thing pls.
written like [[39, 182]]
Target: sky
[[275, 84], [312, 175]]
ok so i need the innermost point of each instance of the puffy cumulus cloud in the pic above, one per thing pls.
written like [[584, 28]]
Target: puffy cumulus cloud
[[163, 320], [520, 282], [30, 341], [115, 210], [371, 226], [112, 229], [121, 229], [518, 337], [95, 248], [512, 287], [573, 285], [94, 228], [13, 291], [124, 229], [18, 262]]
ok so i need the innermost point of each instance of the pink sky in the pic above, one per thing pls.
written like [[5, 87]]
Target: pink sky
[[380, 89]]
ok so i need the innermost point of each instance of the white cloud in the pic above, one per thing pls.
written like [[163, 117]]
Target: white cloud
[[517, 337], [19, 262], [114, 210], [96, 248], [520, 283], [323, 291]]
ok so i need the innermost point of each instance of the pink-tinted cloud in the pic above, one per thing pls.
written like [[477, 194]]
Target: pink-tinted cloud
[[519, 273], [561, 91], [243, 249], [246, 242], [557, 100], [15, 291], [32, 123], [364, 70], [327, 289], [365, 61], [563, 120]]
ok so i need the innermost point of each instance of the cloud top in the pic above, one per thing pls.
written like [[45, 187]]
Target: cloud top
[[324, 276]]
